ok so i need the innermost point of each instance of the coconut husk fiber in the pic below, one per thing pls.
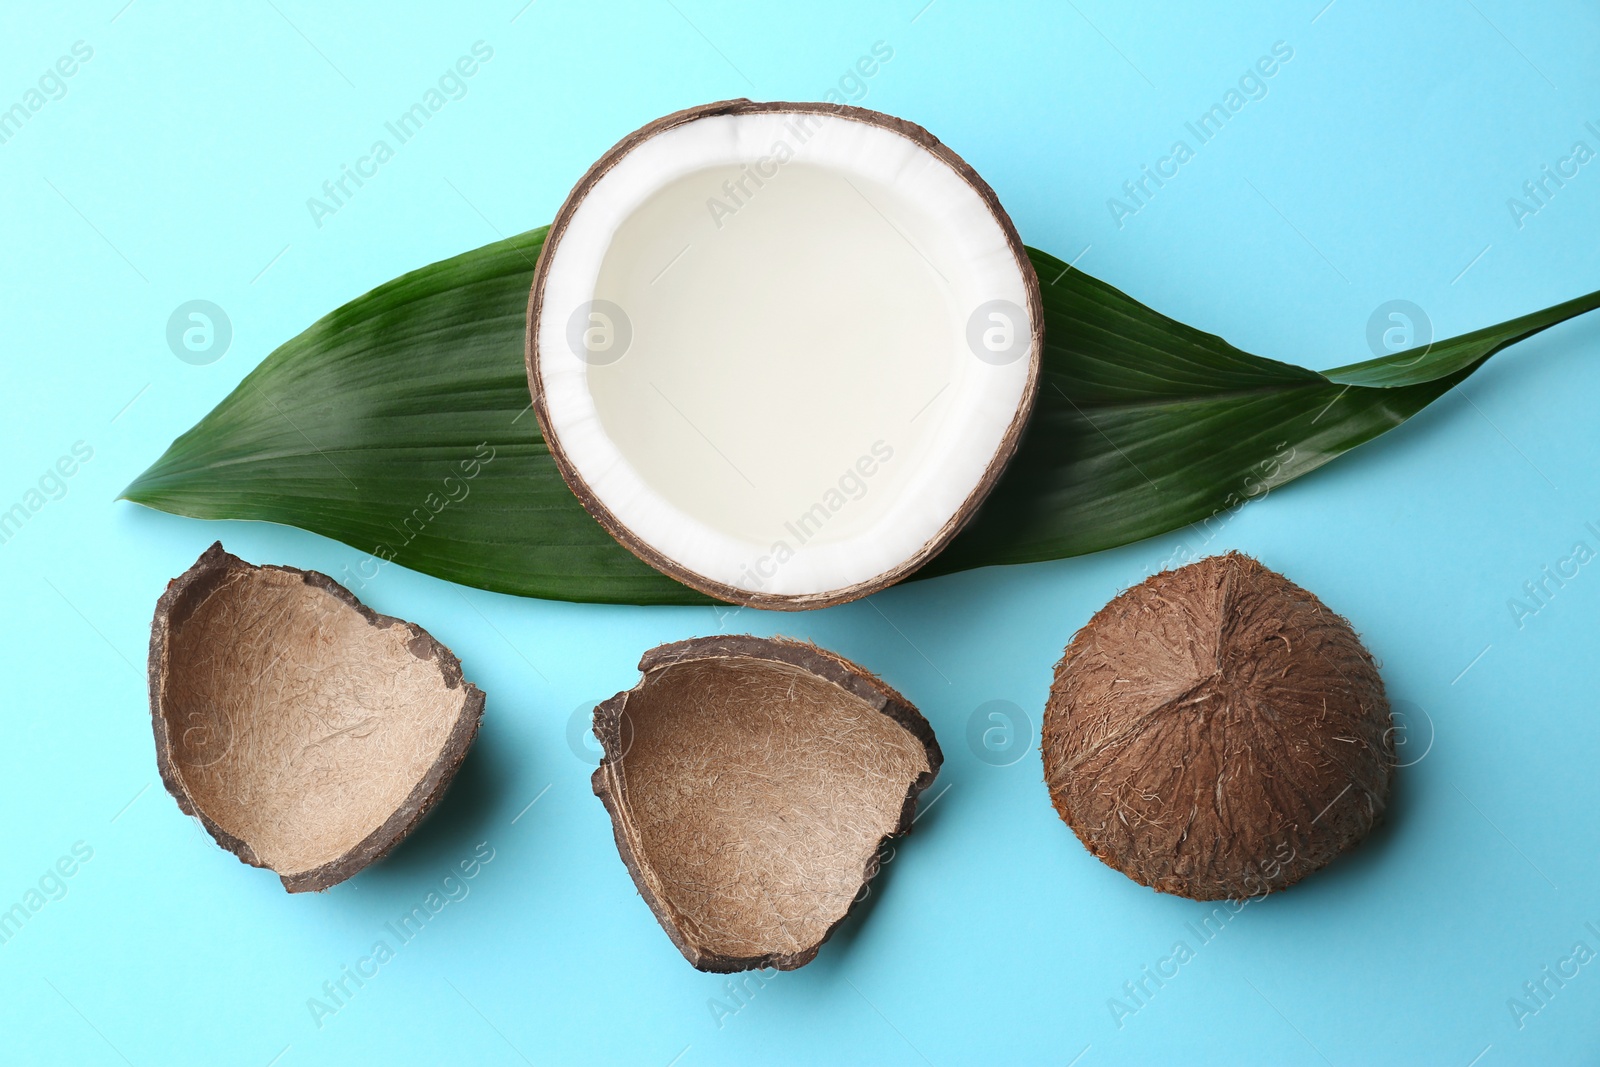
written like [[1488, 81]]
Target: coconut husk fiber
[[307, 733], [1218, 733], [751, 784]]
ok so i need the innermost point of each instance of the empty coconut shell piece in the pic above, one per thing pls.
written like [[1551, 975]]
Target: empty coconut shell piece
[[306, 732], [1218, 733], [751, 783]]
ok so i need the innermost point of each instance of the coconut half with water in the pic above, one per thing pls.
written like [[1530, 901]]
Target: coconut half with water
[[782, 351]]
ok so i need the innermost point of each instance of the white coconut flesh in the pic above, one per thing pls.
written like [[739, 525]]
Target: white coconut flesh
[[786, 352]]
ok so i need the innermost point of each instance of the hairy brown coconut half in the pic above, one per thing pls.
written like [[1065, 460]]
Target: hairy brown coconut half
[[783, 351], [1218, 733], [751, 784], [306, 732]]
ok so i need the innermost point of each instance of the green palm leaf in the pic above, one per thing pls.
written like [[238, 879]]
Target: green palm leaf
[[399, 424]]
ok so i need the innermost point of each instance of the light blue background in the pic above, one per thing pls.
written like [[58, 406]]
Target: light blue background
[[1378, 167]]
